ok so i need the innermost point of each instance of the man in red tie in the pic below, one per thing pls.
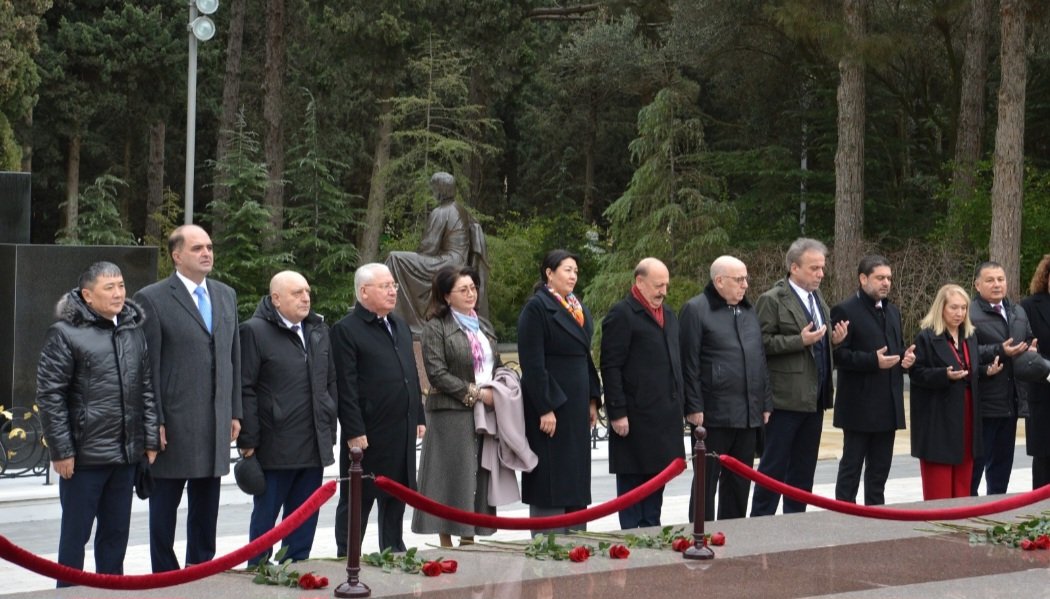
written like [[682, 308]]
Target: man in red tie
[[1002, 331]]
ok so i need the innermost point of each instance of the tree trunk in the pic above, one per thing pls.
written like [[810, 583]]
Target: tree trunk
[[588, 168], [155, 181], [27, 144], [231, 92], [1004, 245], [368, 240], [72, 187], [124, 193], [849, 157], [970, 127], [273, 106]]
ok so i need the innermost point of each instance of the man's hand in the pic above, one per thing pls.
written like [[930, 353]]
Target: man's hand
[[839, 332], [957, 375], [885, 361], [620, 426], [695, 419], [909, 357], [247, 452], [811, 334], [594, 413], [548, 422], [1012, 349], [361, 442], [995, 367], [163, 438], [151, 455], [1034, 346], [765, 417], [235, 429], [64, 468], [421, 429]]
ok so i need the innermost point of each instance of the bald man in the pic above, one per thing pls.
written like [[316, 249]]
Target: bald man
[[289, 395], [643, 389], [726, 382]]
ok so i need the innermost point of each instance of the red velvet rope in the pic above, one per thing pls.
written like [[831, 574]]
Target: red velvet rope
[[30, 561], [883, 513], [421, 502]]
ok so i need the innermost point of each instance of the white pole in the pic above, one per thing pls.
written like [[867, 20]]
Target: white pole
[[191, 116]]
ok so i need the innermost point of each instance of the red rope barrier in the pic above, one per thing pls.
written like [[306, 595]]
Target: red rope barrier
[[421, 502], [30, 561], [883, 513]]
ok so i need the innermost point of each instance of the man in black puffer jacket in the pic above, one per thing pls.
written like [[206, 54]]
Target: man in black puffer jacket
[[288, 393], [96, 402]]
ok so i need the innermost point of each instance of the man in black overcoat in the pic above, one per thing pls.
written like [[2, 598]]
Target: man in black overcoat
[[642, 371], [380, 406], [871, 361]]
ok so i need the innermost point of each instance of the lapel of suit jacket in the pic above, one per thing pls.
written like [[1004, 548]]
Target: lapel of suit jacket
[[184, 299], [947, 354], [794, 305], [566, 320]]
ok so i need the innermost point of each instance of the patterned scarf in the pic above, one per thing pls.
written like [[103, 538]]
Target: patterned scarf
[[656, 313], [470, 325], [571, 304]]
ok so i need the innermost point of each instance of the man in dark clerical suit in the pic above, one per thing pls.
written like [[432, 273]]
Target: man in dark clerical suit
[[798, 340], [380, 406], [870, 397], [195, 352], [642, 372], [1003, 333]]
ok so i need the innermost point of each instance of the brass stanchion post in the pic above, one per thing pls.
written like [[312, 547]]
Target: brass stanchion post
[[699, 550], [353, 587]]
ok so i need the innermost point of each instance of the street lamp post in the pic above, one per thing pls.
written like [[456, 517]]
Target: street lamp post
[[200, 28]]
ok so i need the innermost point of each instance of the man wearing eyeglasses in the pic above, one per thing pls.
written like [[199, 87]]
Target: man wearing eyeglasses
[[380, 406], [726, 381]]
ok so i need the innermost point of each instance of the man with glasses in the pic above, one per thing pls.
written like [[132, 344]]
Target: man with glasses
[[380, 406], [726, 382]]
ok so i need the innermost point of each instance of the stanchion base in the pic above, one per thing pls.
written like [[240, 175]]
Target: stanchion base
[[347, 590], [703, 552]]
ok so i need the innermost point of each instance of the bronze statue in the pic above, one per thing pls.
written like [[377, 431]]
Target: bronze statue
[[452, 237]]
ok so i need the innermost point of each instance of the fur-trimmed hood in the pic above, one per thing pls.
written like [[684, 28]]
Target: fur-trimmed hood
[[72, 309]]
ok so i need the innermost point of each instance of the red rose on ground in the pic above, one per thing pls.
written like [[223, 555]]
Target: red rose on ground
[[718, 539], [681, 544], [308, 581], [432, 569], [1042, 542], [579, 554], [449, 566], [1027, 544], [322, 582], [619, 552]]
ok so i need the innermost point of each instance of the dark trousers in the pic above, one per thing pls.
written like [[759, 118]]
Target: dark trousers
[[201, 518], [646, 512], [999, 436], [732, 490], [790, 456], [874, 453], [100, 493], [391, 511], [1040, 471], [287, 490]]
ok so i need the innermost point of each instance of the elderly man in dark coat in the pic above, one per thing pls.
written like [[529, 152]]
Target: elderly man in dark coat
[[99, 416], [195, 353], [726, 381], [642, 372], [380, 405], [289, 392], [871, 361]]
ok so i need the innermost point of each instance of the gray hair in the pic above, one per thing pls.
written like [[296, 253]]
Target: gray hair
[[366, 273], [799, 247], [96, 270]]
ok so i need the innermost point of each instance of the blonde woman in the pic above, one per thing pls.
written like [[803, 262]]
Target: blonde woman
[[945, 436]]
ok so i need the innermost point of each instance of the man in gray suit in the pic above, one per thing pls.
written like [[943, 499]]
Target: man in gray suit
[[195, 353]]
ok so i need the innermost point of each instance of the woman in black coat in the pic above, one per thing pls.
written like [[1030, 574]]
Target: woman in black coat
[[945, 435], [1037, 426], [560, 388]]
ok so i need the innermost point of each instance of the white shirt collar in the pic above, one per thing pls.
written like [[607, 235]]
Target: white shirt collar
[[191, 286], [800, 292]]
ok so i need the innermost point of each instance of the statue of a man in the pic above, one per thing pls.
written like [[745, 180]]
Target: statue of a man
[[453, 238]]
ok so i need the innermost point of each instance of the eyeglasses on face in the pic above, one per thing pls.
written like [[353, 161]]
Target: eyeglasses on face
[[384, 286], [465, 289], [740, 280]]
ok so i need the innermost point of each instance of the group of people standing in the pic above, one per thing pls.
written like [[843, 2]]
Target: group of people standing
[[169, 380]]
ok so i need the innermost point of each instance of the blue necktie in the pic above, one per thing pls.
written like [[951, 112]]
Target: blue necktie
[[203, 305]]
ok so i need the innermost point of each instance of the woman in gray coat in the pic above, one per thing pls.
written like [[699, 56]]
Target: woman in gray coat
[[459, 354]]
